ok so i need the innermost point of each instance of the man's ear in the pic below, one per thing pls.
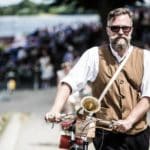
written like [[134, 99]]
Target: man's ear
[[132, 30], [107, 30]]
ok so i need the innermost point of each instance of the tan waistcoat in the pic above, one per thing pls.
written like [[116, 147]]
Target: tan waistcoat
[[124, 93]]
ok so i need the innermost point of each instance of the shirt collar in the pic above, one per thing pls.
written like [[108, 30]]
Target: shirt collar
[[119, 58]]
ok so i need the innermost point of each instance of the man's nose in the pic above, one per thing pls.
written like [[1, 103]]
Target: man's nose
[[121, 31]]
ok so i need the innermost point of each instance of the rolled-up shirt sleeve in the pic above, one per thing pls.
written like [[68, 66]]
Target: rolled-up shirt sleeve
[[85, 70], [145, 88]]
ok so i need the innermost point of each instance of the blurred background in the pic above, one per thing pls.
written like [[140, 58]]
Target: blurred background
[[37, 37], [33, 29]]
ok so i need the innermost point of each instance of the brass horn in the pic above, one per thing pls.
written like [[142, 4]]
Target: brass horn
[[90, 104]]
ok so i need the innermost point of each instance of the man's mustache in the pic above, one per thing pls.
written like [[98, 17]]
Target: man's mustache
[[116, 39]]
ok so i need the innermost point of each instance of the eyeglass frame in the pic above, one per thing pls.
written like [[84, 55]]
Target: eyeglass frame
[[120, 27]]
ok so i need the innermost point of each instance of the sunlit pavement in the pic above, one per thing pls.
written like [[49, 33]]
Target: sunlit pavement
[[29, 107], [28, 130]]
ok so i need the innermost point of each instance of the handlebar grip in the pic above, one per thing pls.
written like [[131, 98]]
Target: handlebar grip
[[52, 118], [105, 123]]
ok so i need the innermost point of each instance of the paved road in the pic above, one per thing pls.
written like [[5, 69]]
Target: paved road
[[32, 101], [34, 133]]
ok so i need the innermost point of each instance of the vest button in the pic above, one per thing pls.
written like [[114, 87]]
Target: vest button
[[121, 81], [121, 96], [122, 109]]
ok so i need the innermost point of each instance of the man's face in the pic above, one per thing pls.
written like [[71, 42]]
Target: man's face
[[119, 32]]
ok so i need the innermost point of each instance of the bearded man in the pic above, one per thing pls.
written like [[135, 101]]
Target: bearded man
[[128, 99]]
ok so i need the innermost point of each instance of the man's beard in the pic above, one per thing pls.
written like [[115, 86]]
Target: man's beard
[[120, 43]]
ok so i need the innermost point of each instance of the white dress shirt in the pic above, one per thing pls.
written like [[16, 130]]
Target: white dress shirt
[[87, 69]]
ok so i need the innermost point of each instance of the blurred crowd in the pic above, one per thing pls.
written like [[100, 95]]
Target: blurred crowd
[[34, 60], [142, 27]]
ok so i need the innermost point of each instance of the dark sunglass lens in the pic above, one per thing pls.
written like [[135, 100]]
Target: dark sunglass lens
[[126, 28], [115, 28]]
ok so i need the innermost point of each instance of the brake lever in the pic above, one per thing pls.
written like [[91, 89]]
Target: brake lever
[[52, 125]]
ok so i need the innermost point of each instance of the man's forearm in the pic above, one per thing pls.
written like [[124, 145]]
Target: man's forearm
[[140, 110], [62, 95]]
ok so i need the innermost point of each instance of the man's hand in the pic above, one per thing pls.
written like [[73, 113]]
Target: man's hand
[[122, 126], [52, 117], [135, 115]]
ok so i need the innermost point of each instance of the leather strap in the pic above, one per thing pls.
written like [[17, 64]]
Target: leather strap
[[114, 76]]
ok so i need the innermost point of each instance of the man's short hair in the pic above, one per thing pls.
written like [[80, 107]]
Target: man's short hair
[[119, 11]]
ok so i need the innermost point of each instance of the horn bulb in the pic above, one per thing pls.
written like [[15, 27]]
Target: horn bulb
[[90, 104]]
